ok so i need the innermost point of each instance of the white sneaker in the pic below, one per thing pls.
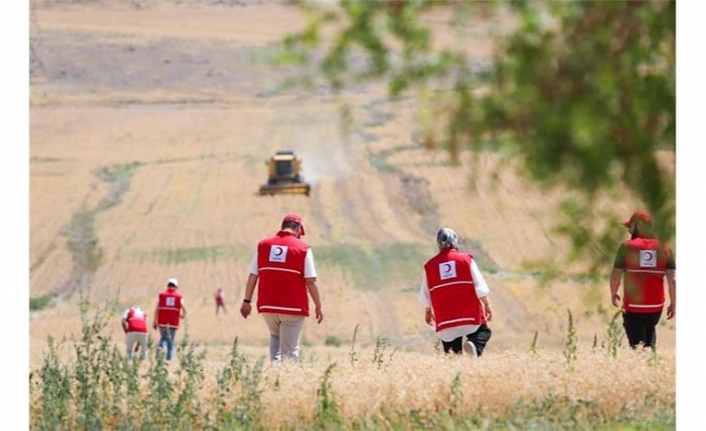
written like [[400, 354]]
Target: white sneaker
[[470, 349]]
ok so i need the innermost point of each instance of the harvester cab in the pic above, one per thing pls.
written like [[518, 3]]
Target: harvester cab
[[284, 175]]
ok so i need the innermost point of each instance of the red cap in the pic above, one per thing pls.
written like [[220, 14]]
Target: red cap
[[639, 215], [296, 218]]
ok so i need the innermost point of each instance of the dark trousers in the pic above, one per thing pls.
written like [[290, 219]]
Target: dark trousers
[[641, 328], [479, 339]]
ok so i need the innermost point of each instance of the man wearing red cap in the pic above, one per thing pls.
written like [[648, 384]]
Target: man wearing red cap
[[641, 263], [283, 270]]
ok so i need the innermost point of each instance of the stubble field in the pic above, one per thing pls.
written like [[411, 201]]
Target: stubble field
[[149, 128]]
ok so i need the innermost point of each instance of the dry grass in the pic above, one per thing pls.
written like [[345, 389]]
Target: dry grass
[[411, 381], [370, 383]]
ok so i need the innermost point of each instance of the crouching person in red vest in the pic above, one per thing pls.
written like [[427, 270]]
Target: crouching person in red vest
[[283, 270], [455, 295], [170, 309], [134, 325]]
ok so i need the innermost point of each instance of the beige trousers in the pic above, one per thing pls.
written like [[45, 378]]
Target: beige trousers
[[131, 338], [285, 330]]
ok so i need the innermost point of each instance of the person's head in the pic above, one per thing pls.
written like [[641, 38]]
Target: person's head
[[639, 224], [172, 283], [293, 223], [446, 238]]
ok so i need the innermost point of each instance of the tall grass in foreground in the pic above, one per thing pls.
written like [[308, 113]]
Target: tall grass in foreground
[[99, 388]]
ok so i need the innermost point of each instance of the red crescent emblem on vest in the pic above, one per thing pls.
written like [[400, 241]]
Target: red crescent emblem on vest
[[650, 255], [278, 251], [447, 268]]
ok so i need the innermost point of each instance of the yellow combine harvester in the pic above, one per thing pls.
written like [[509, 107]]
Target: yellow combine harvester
[[284, 170]]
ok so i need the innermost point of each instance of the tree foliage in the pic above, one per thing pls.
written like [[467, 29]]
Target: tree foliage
[[581, 93]]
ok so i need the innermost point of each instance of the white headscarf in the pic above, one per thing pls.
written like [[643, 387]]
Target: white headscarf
[[446, 238]]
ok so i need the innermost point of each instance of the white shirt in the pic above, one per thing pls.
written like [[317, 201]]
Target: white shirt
[[138, 313], [309, 268], [482, 290]]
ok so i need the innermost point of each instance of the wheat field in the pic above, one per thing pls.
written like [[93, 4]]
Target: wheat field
[[150, 124]]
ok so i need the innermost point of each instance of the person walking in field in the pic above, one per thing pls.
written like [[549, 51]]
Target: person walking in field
[[455, 295], [167, 315], [134, 323], [283, 271], [220, 303], [641, 264]]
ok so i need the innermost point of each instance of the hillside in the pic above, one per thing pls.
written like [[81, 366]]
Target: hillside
[[150, 126]]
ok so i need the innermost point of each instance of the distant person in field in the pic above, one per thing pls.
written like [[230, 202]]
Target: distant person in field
[[220, 303], [167, 315], [283, 270], [455, 295], [642, 263], [134, 323]]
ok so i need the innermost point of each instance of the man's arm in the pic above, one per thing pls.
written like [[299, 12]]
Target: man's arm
[[154, 320], [314, 292], [672, 282], [616, 275], [183, 310], [123, 320], [488, 308], [246, 307], [482, 289], [615, 278], [426, 301]]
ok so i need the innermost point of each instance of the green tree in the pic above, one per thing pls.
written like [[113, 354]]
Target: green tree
[[581, 93]]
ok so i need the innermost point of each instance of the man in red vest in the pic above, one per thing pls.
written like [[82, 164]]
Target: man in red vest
[[170, 309], [220, 303], [641, 263], [134, 325], [283, 271], [455, 295]]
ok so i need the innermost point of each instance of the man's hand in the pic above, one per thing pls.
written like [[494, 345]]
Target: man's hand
[[154, 325], [615, 298], [245, 309], [319, 315], [671, 311], [488, 314], [429, 317]]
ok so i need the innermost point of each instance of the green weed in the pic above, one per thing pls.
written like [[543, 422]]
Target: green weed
[[328, 415], [533, 346], [615, 334], [571, 349], [352, 355], [41, 302], [381, 344], [332, 340]]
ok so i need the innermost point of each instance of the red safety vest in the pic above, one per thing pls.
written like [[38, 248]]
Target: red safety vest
[[280, 263], [169, 308], [219, 298], [643, 279], [452, 291], [136, 320]]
